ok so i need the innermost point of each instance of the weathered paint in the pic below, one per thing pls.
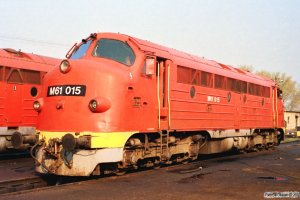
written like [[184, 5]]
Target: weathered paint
[[84, 161]]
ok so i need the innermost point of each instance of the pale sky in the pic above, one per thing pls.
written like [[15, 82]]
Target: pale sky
[[262, 33]]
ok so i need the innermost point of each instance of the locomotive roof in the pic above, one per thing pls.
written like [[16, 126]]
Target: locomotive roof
[[18, 59], [192, 61], [189, 60]]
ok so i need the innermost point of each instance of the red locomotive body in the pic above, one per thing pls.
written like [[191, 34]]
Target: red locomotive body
[[119, 102], [20, 79]]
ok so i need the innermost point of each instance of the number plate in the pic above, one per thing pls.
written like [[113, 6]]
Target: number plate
[[66, 90]]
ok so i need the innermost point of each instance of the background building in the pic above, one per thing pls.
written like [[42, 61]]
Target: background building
[[292, 122]]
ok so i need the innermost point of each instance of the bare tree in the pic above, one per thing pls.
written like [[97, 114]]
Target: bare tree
[[248, 68], [290, 88]]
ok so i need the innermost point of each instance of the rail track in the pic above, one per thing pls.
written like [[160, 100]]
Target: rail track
[[14, 155], [22, 184], [42, 182]]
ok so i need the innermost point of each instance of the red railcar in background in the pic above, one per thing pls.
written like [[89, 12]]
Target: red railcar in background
[[20, 82], [122, 102]]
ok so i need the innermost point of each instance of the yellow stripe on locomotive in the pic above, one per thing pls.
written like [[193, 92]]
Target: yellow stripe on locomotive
[[91, 140]]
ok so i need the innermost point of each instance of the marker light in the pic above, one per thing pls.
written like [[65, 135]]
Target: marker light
[[64, 66]]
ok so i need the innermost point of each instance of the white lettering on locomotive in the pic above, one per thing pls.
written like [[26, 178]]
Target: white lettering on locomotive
[[213, 99], [58, 90], [75, 90], [51, 90], [67, 90], [55, 90]]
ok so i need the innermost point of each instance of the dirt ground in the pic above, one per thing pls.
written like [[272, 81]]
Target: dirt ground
[[247, 176]]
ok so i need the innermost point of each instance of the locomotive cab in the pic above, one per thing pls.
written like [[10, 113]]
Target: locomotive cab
[[103, 75], [96, 97]]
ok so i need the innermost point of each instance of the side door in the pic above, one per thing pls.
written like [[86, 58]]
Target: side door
[[280, 109], [14, 90], [275, 107], [163, 93], [2, 96]]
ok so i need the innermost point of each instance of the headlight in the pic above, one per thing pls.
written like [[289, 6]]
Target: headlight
[[99, 104], [64, 66], [38, 104], [93, 105]]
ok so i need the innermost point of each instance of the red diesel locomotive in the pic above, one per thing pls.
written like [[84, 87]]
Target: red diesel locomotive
[[20, 79], [118, 102]]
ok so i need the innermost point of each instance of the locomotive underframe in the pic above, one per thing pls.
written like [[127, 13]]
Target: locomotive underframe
[[146, 150], [17, 138]]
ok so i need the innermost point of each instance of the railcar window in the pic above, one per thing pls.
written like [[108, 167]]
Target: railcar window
[[184, 75], [237, 86], [220, 82], [206, 79], [258, 90], [251, 88], [243, 87], [279, 93], [31, 77], [6, 72], [115, 50], [15, 77], [1, 73], [195, 77], [81, 50], [192, 76], [266, 91], [233, 85], [230, 84]]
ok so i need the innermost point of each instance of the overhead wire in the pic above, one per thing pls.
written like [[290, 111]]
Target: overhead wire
[[40, 42]]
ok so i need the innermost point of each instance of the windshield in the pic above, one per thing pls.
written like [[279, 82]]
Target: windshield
[[115, 50], [81, 50]]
